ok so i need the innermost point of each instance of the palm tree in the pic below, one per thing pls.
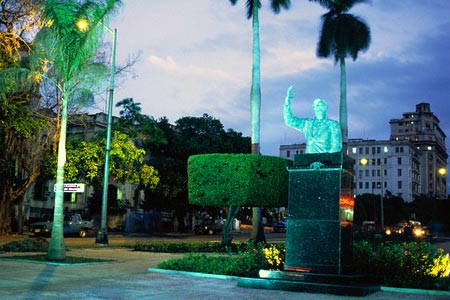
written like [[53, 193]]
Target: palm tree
[[342, 35], [253, 7], [65, 50]]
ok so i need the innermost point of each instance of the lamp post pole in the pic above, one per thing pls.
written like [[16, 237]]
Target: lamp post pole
[[381, 195], [102, 234]]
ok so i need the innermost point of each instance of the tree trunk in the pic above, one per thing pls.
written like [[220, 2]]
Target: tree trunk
[[232, 211], [343, 106], [56, 248], [255, 111]]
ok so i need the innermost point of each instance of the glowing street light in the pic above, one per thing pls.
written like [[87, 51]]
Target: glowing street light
[[102, 234]]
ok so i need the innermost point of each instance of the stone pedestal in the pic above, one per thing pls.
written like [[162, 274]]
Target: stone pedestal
[[318, 235], [319, 232]]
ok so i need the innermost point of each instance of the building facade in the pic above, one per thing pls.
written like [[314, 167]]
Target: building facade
[[411, 163]]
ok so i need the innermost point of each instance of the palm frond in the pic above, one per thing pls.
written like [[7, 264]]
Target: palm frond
[[276, 5]]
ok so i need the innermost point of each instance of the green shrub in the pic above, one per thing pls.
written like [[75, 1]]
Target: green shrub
[[237, 179], [26, 245], [412, 265], [181, 247], [246, 262]]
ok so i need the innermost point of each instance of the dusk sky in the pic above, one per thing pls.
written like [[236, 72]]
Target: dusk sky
[[196, 58]]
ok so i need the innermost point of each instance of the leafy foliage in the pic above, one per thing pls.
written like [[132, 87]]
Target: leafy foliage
[[237, 179], [413, 265], [247, 262], [189, 136], [85, 160]]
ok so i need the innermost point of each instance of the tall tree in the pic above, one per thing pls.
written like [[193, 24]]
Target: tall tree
[[253, 7], [64, 49], [23, 129], [342, 34]]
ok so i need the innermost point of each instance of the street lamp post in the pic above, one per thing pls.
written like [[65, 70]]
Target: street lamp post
[[102, 234], [381, 196], [365, 161]]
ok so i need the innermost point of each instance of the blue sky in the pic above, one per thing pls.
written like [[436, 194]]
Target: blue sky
[[196, 58]]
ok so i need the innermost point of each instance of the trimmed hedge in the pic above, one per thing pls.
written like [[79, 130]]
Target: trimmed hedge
[[238, 179]]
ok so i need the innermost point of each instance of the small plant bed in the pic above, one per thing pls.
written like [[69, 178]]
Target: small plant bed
[[245, 262], [69, 260], [417, 265], [26, 245]]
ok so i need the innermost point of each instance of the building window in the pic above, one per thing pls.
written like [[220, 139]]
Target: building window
[[399, 160], [367, 173], [360, 185], [399, 185], [367, 185], [288, 153], [378, 149], [373, 185], [373, 173], [360, 150], [367, 150], [399, 172]]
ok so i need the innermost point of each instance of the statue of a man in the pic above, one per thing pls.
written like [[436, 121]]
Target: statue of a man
[[322, 135]]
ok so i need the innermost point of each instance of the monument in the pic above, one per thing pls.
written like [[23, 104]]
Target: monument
[[320, 219]]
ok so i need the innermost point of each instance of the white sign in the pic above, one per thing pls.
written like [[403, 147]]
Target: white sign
[[72, 187]]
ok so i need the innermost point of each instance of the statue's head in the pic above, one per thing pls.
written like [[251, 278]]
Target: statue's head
[[320, 107]]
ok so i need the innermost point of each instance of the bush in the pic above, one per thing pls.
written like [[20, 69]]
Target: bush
[[179, 247], [412, 265], [247, 262], [27, 245]]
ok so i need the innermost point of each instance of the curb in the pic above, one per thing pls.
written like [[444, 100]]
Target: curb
[[415, 291], [193, 274], [229, 277]]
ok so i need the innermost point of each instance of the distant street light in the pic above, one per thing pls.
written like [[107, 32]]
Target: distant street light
[[365, 161]]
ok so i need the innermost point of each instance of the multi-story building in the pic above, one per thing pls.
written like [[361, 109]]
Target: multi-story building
[[411, 163], [421, 129]]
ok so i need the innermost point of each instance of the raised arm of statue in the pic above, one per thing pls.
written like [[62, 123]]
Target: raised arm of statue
[[289, 118]]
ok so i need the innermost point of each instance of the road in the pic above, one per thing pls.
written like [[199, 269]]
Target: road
[[120, 240]]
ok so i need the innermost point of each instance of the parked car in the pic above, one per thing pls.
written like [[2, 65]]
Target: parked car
[[73, 224], [208, 227], [280, 226], [409, 229]]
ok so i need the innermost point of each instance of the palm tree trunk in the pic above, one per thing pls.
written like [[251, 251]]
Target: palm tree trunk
[[343, 105], [255, 109], [57, 249]]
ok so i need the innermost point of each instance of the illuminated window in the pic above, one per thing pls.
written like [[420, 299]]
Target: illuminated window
[[354, 150], [429, 148]]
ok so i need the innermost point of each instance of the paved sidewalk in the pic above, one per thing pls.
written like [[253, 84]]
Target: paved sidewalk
[[128, 278]]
